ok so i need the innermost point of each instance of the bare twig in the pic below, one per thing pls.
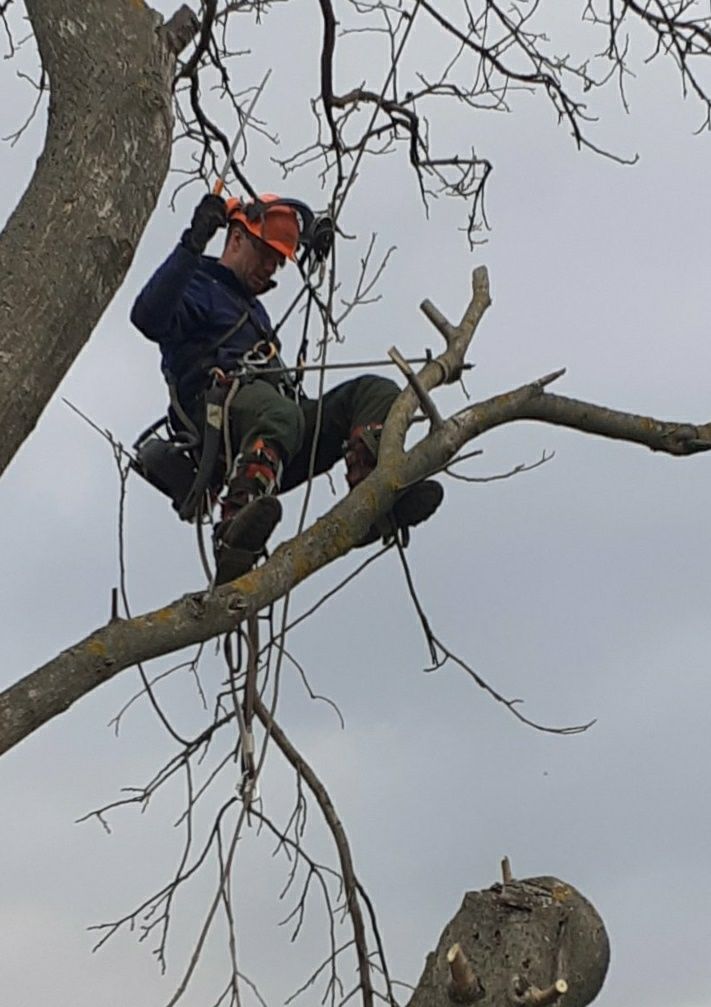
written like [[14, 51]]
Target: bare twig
[[440, 655], [340, 839]]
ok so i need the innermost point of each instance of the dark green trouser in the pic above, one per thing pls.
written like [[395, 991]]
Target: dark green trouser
[[259, 410]]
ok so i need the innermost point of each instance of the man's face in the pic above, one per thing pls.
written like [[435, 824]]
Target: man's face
[[253, 261]]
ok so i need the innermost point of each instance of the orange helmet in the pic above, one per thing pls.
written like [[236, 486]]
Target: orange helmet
[[278, 226]]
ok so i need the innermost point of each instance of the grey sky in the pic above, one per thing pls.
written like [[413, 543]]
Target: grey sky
[[582, 587]]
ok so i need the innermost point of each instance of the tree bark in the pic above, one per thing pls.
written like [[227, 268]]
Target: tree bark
[[66, 248], [518, 940]]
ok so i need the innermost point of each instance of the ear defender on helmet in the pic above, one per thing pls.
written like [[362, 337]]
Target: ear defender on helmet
[[284, 224]]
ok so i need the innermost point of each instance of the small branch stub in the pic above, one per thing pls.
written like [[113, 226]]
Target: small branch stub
[[464, 985], [548, 379], [180, 30], [506, 876], [550, 995], [435, 316], [427, 405]]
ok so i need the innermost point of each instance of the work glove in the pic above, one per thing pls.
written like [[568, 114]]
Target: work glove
[[209, 216]]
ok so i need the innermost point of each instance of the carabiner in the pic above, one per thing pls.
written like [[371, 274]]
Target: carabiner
[[260, 354]]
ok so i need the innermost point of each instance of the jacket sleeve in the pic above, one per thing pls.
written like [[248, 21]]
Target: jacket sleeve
[[159, 308]]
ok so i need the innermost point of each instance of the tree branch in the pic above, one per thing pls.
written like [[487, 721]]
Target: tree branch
[[97, 180], [350, 880], [53, 688]]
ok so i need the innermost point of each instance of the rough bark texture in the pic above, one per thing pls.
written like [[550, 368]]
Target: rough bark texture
[[526, 934], [67, 246]]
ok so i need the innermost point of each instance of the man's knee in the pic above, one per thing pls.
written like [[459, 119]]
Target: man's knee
[[373, 395], [376, 384], [260, 411]]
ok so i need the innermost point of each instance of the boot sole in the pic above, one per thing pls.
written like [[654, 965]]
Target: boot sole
[[232, 563], [240, 541], [417, 504], [252, 524]]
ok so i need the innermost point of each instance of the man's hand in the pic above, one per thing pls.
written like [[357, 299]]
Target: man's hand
[[209, 216]]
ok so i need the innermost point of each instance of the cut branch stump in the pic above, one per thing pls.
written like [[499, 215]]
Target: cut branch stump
[[534, 941]]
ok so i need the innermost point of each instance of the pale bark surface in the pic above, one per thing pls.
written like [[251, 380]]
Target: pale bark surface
[[67, 246], [526, 934]]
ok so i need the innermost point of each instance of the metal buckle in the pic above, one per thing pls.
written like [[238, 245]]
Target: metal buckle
[[222, 378], [260, 354]]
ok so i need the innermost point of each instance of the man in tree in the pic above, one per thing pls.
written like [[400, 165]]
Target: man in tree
[[219, 349]]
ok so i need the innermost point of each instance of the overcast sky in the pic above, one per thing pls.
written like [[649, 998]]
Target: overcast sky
[[582, 587]]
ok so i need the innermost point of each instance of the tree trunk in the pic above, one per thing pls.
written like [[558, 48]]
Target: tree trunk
[[67, 246], [517, 941]]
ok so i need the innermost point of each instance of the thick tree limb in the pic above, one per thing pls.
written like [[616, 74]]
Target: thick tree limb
[[67, 246], [54, 687], [531, 402]]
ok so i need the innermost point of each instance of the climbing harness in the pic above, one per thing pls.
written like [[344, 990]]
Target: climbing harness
[[185, 464], [261, 354], [188, 462]]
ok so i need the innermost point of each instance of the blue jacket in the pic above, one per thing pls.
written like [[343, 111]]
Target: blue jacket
[[187, 306]]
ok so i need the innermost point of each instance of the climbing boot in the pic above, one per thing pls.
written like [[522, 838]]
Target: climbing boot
[[413, 506], [250, 512]]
